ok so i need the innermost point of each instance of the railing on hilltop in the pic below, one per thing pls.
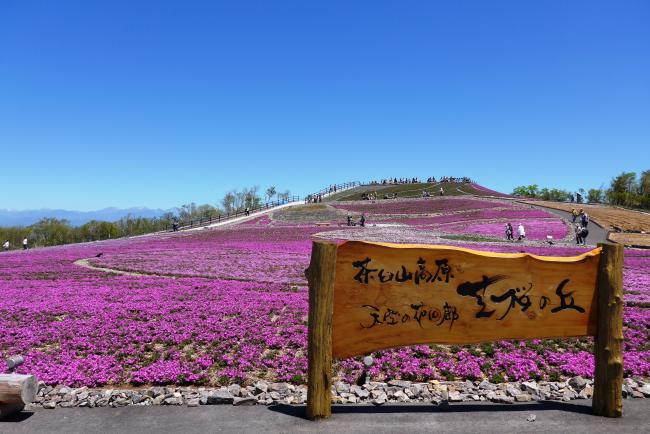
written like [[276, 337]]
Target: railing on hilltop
[[332, 189], [204, 221]]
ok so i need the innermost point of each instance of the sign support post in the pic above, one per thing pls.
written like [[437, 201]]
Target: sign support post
[[320, 275], [608, 345]]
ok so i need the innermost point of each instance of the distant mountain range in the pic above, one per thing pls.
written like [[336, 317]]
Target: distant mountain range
[[27, 217]]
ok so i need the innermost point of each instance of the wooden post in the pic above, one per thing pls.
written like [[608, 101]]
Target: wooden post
[[608, 349], [320, 275], [15, 391]]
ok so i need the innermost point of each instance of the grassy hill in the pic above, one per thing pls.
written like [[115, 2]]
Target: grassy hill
[[410, 190]]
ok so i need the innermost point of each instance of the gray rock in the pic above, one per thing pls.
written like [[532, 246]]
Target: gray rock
[[279, 387], [630, 382], [340, 387], [486, 385], [400, 383], [362, 393], [137, 398], [49, 405], [531, 418], [586, 393], [234, 389], [455, 396], [172, 401], [244, 401], [505, 399], [221, 396], [275, 396], [568, 395], [193, 402], [645, 390], [203, 397], [401, 396], [523, 397], [261, 387], [529, 386], [578, 383], [513, 391]]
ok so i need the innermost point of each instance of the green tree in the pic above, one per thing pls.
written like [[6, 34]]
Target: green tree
[[594, 195], [526, 191], [270, 192], [622, 189]]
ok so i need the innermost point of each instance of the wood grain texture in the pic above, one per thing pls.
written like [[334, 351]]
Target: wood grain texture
[[477, 296], [17, 389], [608, 349], [321, 275]]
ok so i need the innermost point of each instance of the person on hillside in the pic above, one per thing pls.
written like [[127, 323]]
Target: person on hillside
[[362, 220], [442, 192], [247, 211], [578, 232], [349, 220], [509, 232], [584, 232], [584, 219], [574, 214], [6, 245], [25, 243], [522, 232]]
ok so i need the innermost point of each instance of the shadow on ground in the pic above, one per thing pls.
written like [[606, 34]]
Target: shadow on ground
[[299, 411]]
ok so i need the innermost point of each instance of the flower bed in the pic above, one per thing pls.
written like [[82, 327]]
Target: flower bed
[[536, 229], [422, 206], [235, 310]]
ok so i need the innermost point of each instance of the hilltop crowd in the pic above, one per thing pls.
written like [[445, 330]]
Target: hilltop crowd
[[417, 180]]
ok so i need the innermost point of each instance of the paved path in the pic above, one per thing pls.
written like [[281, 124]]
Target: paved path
[[551, 417], [596, 232]]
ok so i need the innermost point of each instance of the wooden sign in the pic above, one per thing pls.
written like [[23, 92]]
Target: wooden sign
[[394, 295], [369, 296]]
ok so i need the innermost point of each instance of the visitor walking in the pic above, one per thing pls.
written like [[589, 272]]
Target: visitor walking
[[442, 192], [25, 243], [574, 214], [362, 220], [584, 232], [349, 220], [509, 232], [578, 232], [247, 211], [584, 219], [6, 245], [522, 232]]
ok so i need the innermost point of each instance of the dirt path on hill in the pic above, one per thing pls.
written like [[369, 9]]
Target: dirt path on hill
[[85, 263], [596, 232]]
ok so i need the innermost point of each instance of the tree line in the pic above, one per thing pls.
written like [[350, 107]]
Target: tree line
[[626, 189], [53, 232]]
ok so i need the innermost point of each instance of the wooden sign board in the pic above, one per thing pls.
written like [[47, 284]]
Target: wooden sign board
[[394, 295], [369, 296]]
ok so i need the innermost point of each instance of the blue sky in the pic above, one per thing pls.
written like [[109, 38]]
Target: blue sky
[[124, 103]]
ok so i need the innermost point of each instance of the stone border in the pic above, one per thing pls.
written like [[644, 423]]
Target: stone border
[[378, 393]]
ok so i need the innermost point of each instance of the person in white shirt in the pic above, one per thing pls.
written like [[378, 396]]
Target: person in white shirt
[[6, 245], [25, 243], [522, 232]]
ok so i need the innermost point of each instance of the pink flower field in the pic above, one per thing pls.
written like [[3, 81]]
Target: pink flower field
[[229, 304]]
